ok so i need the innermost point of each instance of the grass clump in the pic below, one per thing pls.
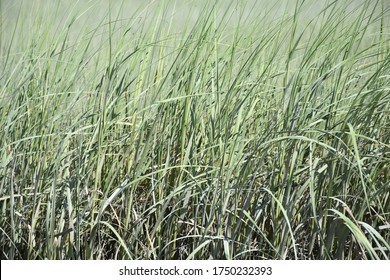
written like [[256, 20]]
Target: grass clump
[[206, 130]]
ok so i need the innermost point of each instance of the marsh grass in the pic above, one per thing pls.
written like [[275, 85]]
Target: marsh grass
[[238, 130]]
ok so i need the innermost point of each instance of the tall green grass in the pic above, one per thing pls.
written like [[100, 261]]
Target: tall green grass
[[205, 130]]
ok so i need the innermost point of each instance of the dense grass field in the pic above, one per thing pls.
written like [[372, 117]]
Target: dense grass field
[[195, 129]]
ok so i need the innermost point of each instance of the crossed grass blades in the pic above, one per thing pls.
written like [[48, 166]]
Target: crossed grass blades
[[197, 130]]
